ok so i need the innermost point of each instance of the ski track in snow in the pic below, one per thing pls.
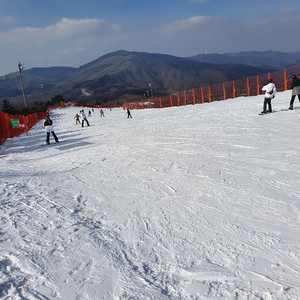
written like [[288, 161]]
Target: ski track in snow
[[196, 202]]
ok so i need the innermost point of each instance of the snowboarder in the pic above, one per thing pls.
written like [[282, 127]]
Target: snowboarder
[[49, 129], [295, 87], [128, 113], [77, 117], [90, 114], [270, 92], [83, 118], [101, 113]]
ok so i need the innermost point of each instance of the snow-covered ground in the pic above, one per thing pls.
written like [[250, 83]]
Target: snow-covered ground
[[195, 202]]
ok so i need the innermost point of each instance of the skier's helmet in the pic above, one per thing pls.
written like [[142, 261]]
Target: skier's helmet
[[293, 76]]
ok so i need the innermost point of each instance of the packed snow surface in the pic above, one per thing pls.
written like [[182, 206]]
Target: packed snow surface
[[194, 202]]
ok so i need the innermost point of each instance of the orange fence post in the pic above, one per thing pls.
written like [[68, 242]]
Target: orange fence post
[[238, 88], [233, 89], [202, 95], [248, 87], [224, 91], [285, 80], [194, 97], [178, 98]]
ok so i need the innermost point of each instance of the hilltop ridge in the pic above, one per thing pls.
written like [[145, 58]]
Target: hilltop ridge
[[124, 75]]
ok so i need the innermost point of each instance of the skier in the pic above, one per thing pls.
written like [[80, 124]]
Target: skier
[[128, 113], [83, 118], [77, 117], [101, 113], [49, 129], [90, 114], [295, 86], [270, 92]]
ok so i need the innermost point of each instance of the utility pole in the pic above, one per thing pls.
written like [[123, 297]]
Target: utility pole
[[151, 91], [41, 90], [21, 67]]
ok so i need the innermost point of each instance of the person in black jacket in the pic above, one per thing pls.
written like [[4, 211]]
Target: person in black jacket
[[128, 113], [295, 86], [49, 129]]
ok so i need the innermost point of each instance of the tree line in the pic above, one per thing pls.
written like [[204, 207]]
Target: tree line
[[35, 107]]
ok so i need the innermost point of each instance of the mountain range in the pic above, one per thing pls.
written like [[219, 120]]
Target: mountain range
[[127, 76]]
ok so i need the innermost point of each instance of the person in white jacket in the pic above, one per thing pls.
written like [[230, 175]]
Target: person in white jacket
[[270, 92], [49, 129], [84, 118]]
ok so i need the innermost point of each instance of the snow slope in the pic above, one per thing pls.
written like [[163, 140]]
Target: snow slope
[[195, 202]]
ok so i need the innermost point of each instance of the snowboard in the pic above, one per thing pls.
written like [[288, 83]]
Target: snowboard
[[266, 113], [52, 144]]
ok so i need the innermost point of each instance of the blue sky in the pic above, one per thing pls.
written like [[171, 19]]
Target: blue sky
[[45, 33]]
